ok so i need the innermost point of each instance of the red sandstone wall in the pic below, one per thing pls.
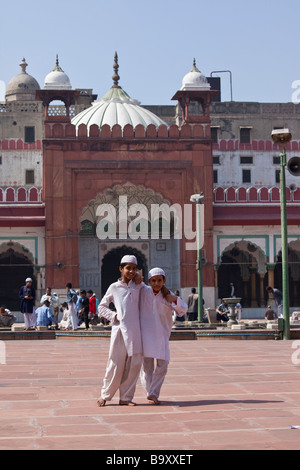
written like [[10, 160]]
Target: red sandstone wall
[[176, 162]]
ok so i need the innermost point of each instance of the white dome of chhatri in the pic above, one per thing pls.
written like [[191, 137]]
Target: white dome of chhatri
[[195, 80], [57, 79], [117, 107]]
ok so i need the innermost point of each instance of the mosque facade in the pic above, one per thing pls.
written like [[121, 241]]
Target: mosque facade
[[85, 180]]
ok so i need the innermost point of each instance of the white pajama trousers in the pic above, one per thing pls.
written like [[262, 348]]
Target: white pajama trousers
[[30, 320], [153, 375], [73, 318], [122, 372]]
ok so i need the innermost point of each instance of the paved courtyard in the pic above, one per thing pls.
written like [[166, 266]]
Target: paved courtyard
[[217, 395]]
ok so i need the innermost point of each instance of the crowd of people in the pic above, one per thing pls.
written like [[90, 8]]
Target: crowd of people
[[80, 307]]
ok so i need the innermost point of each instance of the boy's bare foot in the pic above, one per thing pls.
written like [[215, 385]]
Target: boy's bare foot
[[101, 402], [127, 403], [153, 400]]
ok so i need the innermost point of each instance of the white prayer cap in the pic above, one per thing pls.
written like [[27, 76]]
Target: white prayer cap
[[28, 279], [156, 272], [129, 259]]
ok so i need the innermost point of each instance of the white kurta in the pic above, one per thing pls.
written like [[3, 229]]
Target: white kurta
[[126, 300], [156, 322]]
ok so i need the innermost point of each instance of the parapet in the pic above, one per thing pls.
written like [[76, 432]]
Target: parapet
[[69, 131]]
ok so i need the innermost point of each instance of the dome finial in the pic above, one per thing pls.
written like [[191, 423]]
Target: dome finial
[[195, 69], [116, 76], [23, 65], [57, 66]]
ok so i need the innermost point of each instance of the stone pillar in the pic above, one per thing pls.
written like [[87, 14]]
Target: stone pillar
[[261, 290], [216, 268], [245, 289], [271, 268], [253, 287]]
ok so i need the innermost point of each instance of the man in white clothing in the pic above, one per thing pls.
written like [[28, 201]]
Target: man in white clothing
[[157, 305], [125, 353], [54, 302]]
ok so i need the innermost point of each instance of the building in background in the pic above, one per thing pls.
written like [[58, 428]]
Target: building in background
[[64, 154]]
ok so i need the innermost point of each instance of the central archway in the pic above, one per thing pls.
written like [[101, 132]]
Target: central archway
[[154, 246], [111, 261]]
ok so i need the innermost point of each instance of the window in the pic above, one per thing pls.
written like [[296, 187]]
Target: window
[[29, 177], [276, 160], [277, 176], [216, 160], [29, 135], [246, 160], [215, 176], [214, 134], [245, 135], [246, 176], [0, 159]]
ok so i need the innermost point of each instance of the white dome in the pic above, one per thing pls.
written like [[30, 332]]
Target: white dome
[[195, 80], [22, 87], [116, 107], [57, 79]]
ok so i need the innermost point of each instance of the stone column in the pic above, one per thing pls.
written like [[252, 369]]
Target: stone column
[[261, 290], [270, 269], [245, 289], [253, 287]]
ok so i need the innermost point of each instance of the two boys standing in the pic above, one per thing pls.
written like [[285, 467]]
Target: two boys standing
[[141, 327]]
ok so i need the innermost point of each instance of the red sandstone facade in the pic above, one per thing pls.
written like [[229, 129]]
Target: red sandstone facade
[[175, 162]]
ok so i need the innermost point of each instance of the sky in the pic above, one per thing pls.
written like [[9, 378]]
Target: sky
[[156, 42]]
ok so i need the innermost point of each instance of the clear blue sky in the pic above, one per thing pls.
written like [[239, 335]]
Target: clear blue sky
[[156, 41]]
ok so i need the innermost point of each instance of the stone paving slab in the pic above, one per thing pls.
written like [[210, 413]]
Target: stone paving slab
[[217, 395]]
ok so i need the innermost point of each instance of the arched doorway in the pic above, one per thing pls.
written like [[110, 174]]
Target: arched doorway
[[151, 239], [230, 273], [293, 273], [111, 261], [244, 265], [16, 265]]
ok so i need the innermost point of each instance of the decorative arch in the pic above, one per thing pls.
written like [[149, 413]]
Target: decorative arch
[[243, 263], [141, 200]]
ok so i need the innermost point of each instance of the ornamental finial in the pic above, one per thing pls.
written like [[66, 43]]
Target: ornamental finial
[[23, 65], [116, 76]]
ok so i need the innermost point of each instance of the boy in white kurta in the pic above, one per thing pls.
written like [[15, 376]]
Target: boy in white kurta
[[125, 353], [156, 325]]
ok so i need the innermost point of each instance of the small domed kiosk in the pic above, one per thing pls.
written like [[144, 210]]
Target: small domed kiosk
[[22, 87]]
